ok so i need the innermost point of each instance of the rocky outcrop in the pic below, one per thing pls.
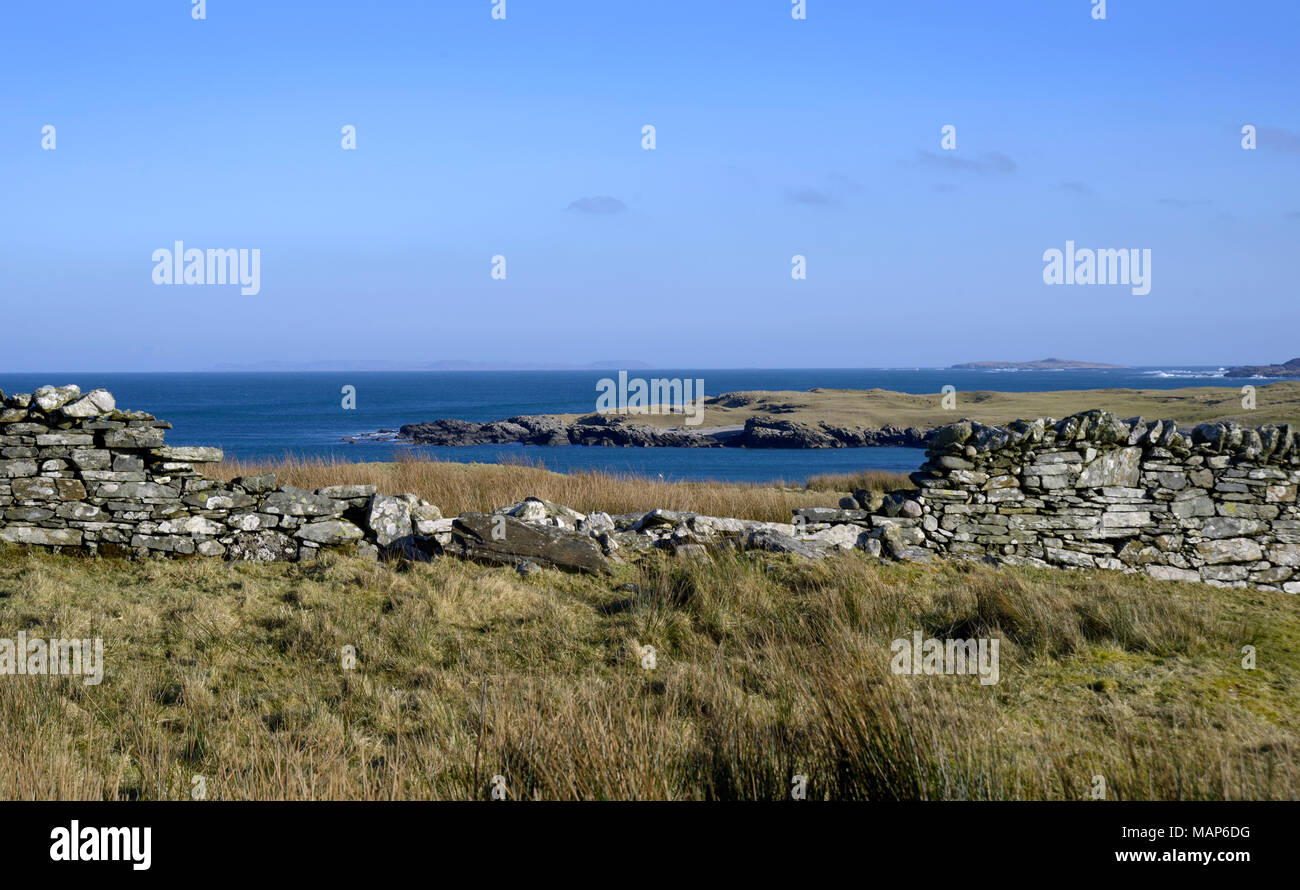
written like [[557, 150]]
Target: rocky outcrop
[[763, 432], [1286, 369], [549, 429], [620, 431]]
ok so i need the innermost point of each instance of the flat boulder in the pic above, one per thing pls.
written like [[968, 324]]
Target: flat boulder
[[330, 533], [505, 540], [195, 454], [290, 501], [774, 541]]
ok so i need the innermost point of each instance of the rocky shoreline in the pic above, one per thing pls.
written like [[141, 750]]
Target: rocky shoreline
[[1286, 369], [620, 431]]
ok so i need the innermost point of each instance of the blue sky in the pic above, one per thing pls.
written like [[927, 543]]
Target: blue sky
[[775, 137]]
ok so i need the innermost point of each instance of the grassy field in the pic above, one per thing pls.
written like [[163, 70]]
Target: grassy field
[[1275, 403], [764, 668]]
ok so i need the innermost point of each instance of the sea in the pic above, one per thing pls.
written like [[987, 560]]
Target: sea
[[270, 415]]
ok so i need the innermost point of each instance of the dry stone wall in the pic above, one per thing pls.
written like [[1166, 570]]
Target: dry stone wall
[[77, 472], [1216, 503]]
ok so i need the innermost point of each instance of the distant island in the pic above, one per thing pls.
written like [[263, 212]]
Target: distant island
[[1043, 364], [446, 365], [1288, 369]]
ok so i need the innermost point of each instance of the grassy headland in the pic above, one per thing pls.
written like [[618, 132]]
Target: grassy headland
[[875, 408]]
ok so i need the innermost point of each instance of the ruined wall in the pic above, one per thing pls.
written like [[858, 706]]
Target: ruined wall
[[77, 472], [1216, 503]]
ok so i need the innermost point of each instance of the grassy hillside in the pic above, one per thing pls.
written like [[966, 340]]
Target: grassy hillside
[[764, 669], [1275, 403]]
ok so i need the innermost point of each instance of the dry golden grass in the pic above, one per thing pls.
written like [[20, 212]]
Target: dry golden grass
[[765, 669], [459, 488]]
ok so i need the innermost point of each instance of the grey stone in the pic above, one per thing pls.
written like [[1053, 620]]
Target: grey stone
[[506, 540], [773, 541], [50, 398], [263, 546], [343, 492], [133, 437], [188, 453], [49, 537], [95, 403], [1115, 468], [1230, 550], [291, 501], [332, 533], [389, 518], [255, 484]]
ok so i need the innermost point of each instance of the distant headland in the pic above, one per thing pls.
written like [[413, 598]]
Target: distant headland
[[1287, 369], [1042, 364]]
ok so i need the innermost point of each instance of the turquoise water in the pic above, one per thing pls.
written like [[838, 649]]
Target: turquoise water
[[261, 415]]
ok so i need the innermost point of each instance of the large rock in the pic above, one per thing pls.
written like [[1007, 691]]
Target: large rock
[[95, 403], [330, 533], [51, 398], [502, 539], [427, 519], [189, 453], [389, 519], [774, 541], [49, 537], [263, 546], [134, 437], [291, 501], [1113, 469], [838, 537], [1230, 550]]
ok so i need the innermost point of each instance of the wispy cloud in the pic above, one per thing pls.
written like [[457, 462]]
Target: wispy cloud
[[1079, 188], [836, 188], [1276, 137], [810, 196], [598, 204], [987, 163], [1183, 203]]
